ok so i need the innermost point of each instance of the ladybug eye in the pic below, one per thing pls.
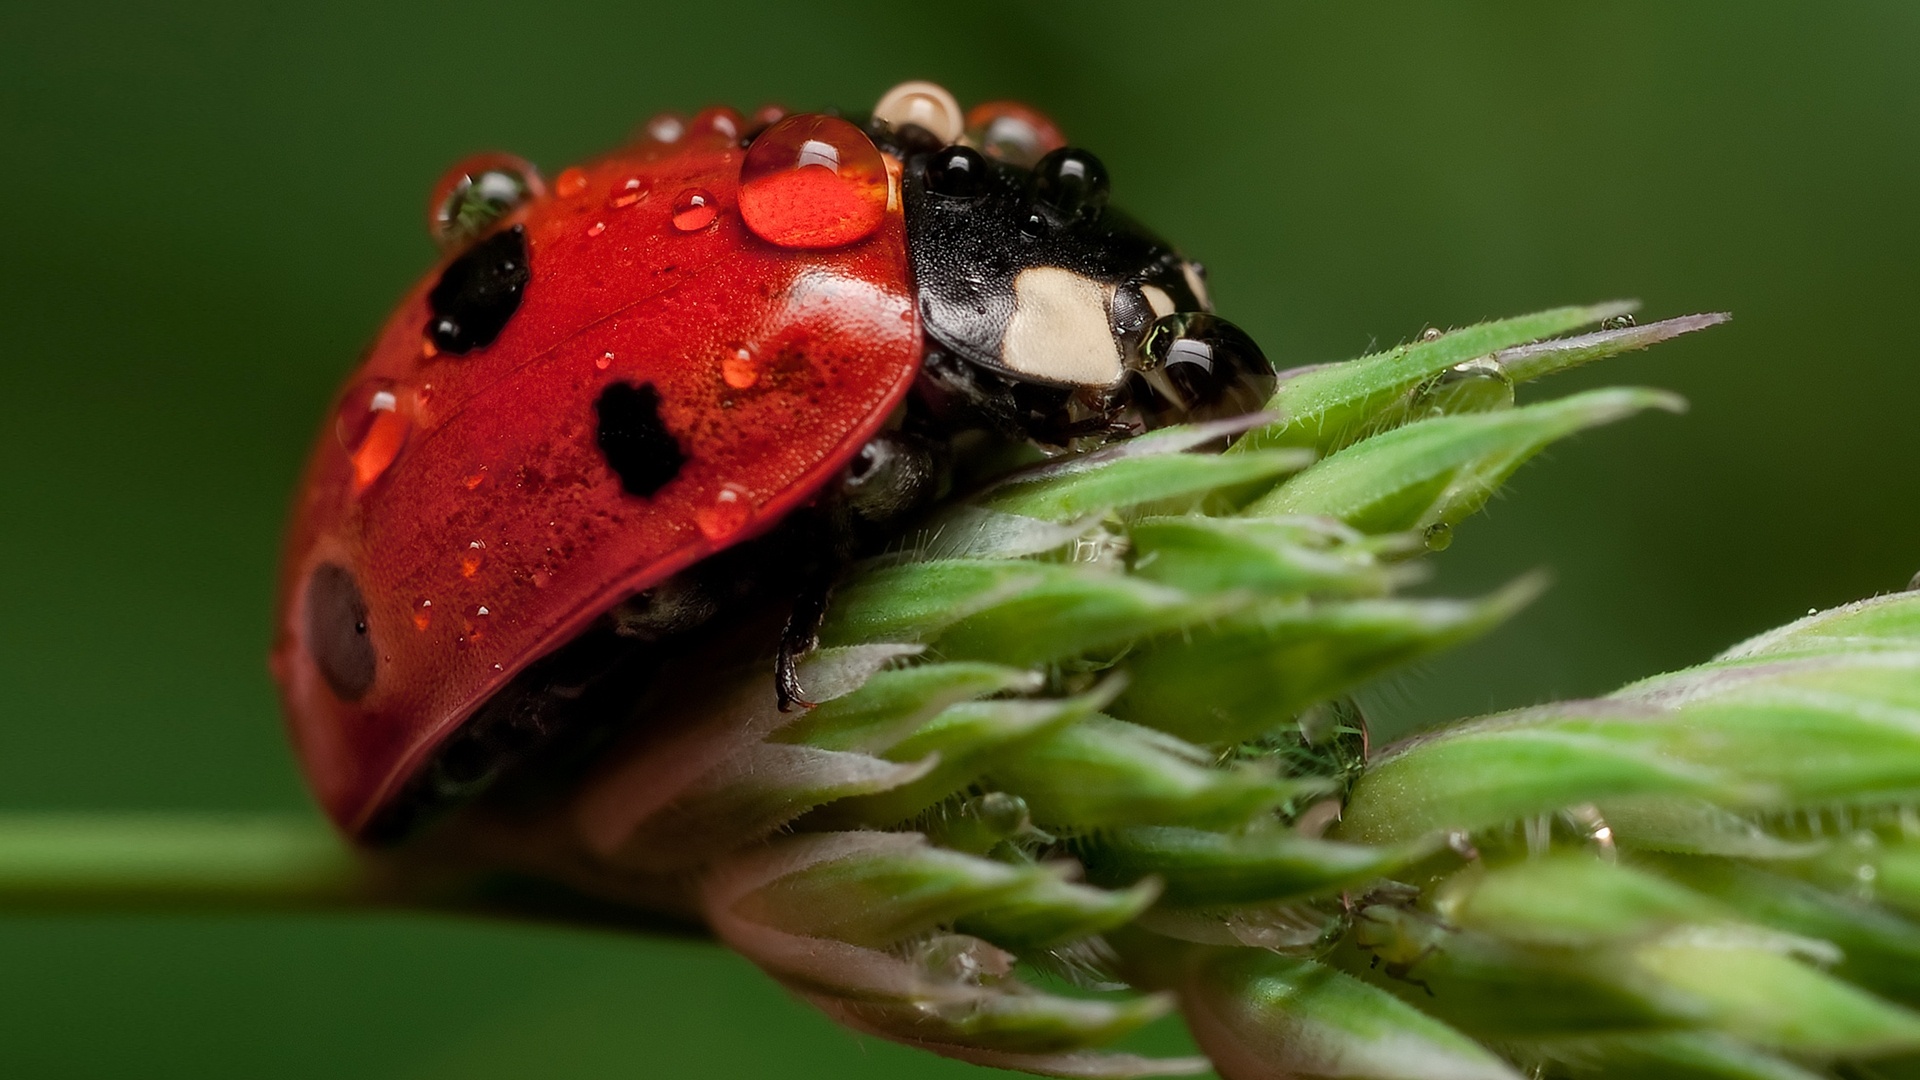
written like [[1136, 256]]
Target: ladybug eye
[[958, 172], [337, 637], [476, 194], [478, 292], [1194, 366], [1130, 313], [925, 105], [1072, 182]]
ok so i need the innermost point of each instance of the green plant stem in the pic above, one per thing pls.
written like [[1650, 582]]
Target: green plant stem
[[150, 861]]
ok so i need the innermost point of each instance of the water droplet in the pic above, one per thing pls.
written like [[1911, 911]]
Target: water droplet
[[927, 106], [478, 192], [1438, 536], [693, 210], [1009, 131], [603, 361], [1913, 583], [728, 514], [739, 370], [1617, 322], [1478, 385], [372, 426], [627, 192], [570, 182], [596, 228], [718, 120], [473, 558], [813, 181], [666, 128], [475, 623], [422, 613], [765, 118], [1073, 183], [1431, 333], [474, 479]]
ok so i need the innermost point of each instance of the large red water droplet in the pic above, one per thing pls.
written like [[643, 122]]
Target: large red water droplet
[[570, 182], [372, 424], [813, 181]]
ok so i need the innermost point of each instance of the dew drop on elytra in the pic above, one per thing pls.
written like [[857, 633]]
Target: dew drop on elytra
[[570, 182], [718, 120], [422, 613], [372, 426], [726, 515], [666, 128], [626, 193], [813, 181], [739, 370], [693, 210], [478, 192], [473, 558]]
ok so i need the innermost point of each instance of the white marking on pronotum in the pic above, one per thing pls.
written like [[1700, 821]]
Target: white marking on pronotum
[[1158, 300], [1059, 329]]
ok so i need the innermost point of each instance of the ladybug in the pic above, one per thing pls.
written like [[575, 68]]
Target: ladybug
[[687, 380]]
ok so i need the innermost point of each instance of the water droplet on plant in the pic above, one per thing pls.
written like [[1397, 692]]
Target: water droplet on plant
[[739, 370], [1009, 131], [422, 613], [570, 182], [473, 558], [476, 194], [693, 210], [1438, 537], [666, 128], [1479, 385], [372, 426], [1617, 322], [813, 181], [726, 515], [1431, 333], [626, 193]]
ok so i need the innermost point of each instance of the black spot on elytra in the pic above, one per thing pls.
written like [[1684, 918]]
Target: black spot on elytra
[[636, 444], [478, 292], [337, 636]]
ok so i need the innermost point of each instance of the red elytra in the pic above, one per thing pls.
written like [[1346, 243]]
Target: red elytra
[[491, 529]]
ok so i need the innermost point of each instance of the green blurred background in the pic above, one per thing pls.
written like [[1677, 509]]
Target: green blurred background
[[214, 204]]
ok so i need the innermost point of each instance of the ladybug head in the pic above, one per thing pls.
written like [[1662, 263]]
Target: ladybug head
[[1050, 313]]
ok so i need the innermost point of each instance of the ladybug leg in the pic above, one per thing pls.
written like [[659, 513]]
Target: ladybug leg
[[801, 635]]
